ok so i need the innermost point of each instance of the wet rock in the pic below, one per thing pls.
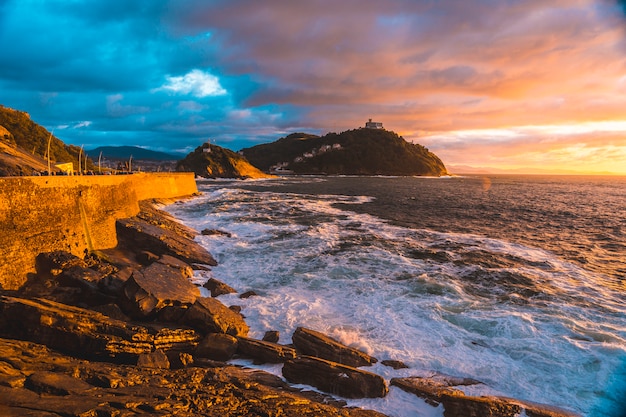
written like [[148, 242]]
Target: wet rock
[[155, 287], [217, 347], [155, 360], [137, 233], [271, 336], [441, 390], [263, 352], [248, 294], [215, 232], [394, 364], [209, 315], [334, 378], [218, 288], [312, 343], [236, 309]]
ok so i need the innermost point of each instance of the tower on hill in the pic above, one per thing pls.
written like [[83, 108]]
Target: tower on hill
[[373, 125]]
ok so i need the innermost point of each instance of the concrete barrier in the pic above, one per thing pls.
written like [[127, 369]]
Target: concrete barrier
[[77, 214]]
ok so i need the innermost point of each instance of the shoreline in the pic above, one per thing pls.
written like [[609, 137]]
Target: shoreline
[[146, 276]]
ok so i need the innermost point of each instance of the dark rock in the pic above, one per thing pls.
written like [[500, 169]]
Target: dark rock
[[271, 336], [215, 232], [55, 384], [200, 267], [171, 314], [111, 310], [218, 288], [217, 347], [154, 287], [179, 360], [263, 351], [111, 285], [334, 378], [209, 315], [184, 268], [85, 333], [236, 309], [155, 360], [152, 215], [248, 294], [137, 233], [145, 257], [312, 343], [394, 364], [166, 339], [53, 263], [80, 276], [440, 389]]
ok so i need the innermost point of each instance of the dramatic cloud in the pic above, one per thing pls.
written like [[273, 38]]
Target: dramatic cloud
[[196, 83], [495, 84]]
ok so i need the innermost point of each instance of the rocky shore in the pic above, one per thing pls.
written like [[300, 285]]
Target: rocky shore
[[124, 332]]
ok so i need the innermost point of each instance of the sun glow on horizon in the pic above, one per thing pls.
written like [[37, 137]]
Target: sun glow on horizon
[[597, 147]]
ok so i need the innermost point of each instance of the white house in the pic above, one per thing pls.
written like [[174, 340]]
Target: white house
[[373, 125]]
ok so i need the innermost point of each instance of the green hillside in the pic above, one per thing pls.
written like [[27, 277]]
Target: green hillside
[[212, 161], [354, 152], [32, 138]]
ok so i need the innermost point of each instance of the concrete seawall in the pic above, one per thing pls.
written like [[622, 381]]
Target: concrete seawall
[[76, 214]]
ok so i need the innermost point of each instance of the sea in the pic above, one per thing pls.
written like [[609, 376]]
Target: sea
[[518, 282]]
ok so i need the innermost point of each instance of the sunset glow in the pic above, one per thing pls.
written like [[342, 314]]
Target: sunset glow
[[534, 86]]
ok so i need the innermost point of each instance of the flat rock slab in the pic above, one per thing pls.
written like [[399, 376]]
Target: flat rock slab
[[209, 315], [152, 288], [440, 390], [334, 378], [263, 351], [136, 232], [217, 287], [312, 343], [55, 384]]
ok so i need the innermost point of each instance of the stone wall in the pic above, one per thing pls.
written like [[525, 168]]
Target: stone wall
[[41, 214]]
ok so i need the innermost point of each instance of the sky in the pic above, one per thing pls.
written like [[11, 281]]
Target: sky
[[505, 85]]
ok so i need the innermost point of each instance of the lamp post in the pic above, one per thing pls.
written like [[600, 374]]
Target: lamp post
[[49, 139]]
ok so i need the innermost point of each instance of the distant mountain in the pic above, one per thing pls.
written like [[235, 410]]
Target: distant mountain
[[212, 161], [125, 152], [25, 146], [354, 152]]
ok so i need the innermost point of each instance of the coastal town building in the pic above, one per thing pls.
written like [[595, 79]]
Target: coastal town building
[[373, 125]]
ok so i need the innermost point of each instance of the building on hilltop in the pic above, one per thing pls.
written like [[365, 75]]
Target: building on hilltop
[[373, 125]]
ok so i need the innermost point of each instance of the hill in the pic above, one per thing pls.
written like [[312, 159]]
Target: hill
[[353, 152], [212, 161], [27, 144], [125, 152]]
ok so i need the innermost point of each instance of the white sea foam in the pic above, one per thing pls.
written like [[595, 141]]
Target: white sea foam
[[415, 296]]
